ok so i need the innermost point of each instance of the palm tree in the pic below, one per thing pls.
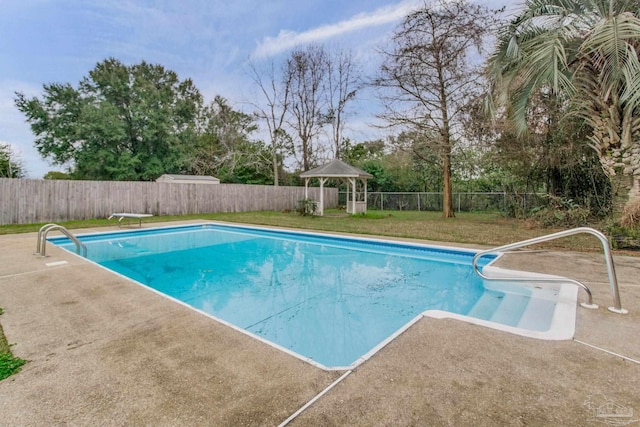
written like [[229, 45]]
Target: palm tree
[[586, 53]]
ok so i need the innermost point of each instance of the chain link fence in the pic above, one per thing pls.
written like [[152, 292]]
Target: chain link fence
[[462, 202]]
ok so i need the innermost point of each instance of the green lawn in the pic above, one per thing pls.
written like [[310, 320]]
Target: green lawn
[[482, 228]]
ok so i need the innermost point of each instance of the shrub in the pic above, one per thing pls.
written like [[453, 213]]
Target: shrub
[[307, 207], [631, 214], [623, 237], [561, 212]]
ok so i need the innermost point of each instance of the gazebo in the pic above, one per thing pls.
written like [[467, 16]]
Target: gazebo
[[337, 169]]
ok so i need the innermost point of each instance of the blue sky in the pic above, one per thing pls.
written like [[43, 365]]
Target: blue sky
[[209, 41]]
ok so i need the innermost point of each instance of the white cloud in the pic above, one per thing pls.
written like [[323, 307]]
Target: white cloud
[[290, 39]]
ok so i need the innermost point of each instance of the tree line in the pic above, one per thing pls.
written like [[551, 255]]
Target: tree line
[[10, 164], [546, 101]]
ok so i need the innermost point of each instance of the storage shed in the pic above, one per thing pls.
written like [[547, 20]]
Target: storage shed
[[188, 179]]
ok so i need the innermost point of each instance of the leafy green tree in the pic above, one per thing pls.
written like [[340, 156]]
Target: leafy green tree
[[394, 164], [586, 53], [418, 165], [383, 179], [10, 165], [56, 175], [121, 122], [554, 157], [356, 153]]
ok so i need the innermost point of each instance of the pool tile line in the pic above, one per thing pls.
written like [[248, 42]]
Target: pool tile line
[[312, 401], [608, 351], [48, 269]]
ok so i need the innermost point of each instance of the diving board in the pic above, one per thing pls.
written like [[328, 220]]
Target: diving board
[[129, 216]]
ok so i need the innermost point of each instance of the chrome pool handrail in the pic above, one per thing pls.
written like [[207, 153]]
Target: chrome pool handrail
[[42, 239], [613, 281], [42, 229]]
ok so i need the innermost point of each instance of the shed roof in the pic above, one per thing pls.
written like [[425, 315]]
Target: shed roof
[[336, 169], [188, 177]]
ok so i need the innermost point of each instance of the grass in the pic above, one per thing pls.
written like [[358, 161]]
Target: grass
[[481, 228], [478, 228], [9, 364]]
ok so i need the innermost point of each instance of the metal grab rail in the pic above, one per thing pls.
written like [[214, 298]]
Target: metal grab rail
[[41, 246], [42, 229], [613, 281]]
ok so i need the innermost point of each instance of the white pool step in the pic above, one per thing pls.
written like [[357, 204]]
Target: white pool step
[[538, 315], [533, 313], [485, 306], [510, 309], [506, 309]]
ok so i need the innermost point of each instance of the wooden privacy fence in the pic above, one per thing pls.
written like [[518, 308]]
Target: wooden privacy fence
[[25, 201]]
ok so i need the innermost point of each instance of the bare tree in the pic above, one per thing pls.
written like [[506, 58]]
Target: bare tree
[[277, 103], [223, 142], [306, 70], [342, 85], [427, 76]]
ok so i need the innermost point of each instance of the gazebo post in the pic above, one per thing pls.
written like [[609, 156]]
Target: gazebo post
[[353, 201], [364, 182], [346, 202], [322, 181]]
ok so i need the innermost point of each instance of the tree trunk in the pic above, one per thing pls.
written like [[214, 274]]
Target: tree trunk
[[625, 190], [275, 168], [616, 140], [306, 162], [447, 204]]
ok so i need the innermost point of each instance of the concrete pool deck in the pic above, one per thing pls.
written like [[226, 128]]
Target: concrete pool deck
[[105, 351]]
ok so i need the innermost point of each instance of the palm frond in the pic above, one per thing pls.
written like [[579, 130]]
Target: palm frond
[[519, 102], [631, 93], [583, 50], [547, 63], [610, 48]]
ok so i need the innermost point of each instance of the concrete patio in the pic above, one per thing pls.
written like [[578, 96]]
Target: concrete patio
[[105, 351]]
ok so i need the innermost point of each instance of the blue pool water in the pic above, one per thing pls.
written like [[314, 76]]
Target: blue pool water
[[326, 298]]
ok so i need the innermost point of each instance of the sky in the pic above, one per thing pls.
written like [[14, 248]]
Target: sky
[[211, 42]]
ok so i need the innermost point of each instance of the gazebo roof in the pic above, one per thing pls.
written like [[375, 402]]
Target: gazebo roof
[[336, 169]]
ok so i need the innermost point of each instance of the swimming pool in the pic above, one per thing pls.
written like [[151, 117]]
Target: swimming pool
[[330, 300]]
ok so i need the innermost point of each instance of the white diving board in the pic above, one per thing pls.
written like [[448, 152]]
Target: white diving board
[[129, 216]]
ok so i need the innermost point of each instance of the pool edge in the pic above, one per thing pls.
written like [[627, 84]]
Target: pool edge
[[562, 323]]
